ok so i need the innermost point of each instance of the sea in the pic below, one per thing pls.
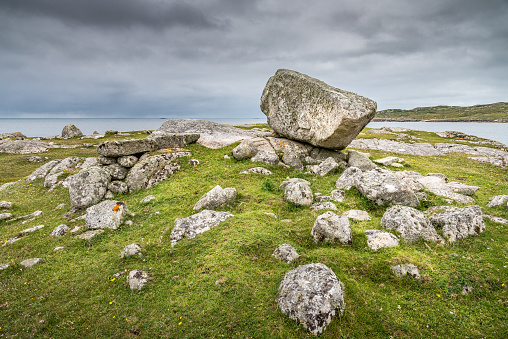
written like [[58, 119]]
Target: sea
[[43, 127]]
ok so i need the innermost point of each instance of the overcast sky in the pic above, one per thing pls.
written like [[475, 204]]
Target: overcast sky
[[212, 58]]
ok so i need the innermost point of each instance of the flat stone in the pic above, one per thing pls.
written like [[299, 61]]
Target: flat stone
[[338, 195], [146, 199], [118, 148], [4, 216], [286, 253], [196, 224], [30, 262], [360, 161], [5, 205], [389, 161], [298, 192], [498, 200], [5, 266], [42, 171], [379, 239], [89, 235], [319, 206], [357, 215], [27, 146]]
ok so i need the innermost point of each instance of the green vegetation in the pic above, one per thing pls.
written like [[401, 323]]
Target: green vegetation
[[224, 282], [479, 112]]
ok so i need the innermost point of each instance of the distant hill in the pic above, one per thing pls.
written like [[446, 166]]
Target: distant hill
[[489, 112]]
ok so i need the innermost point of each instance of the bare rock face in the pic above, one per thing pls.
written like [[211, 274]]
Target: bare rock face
[[286, 253], [107, 214], [306, 109], [330, 227], [410, 223], [216, 197], [197, 224], [88, 187], [71, 131], [459, 223], [312, 296]]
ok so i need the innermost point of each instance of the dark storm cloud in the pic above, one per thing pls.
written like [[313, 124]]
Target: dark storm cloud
[[213, 57]]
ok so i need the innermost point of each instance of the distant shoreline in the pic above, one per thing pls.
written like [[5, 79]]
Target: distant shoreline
[[437, 120]]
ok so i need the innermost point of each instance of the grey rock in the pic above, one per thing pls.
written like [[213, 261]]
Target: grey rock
[[360, 161], [407, 269], [267, 157], [173, 140], [103, 160], [312, 296], [88, 163], [197, 224], [498, 200], [71, 131], [305, 109], [322, 198], [496, 219], [127, 161], [88, 187], [30, 262], [329, 165], [12, 135], [131, 250], [5, 266], [147, 199], [60, 231], [293, 180], [217, 197], [31, 229], [107, 214], [118, 148], [109, 195], [247, 149], [111, 132], [348, 178], [292, 159], [438, 186], [58, 248], [461, 188], [257, 170], [42, 171], [273, 215], [66, 164], [286, 253], [118, 187], [116, 171], [330, 227], [379, 239], [34, 158], [5, 205], [298, 192], [459, 223], [357, 215], [137, 279], [389, 161], [338, 195], [467, 289], [320, 154], [27, 146], [4, 216], [412, 224], [319, 206], [76, 228], [439, 175], [89, 235], [7, 185]]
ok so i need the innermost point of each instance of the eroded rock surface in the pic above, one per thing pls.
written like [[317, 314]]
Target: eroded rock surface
[[217, 197], [459, 223], [410, 223], [330, 227], [286, 253], [197, 224], [88, 187], [107, 214]]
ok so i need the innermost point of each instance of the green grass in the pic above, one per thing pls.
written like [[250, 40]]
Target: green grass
[[224, 282], [479, 112]]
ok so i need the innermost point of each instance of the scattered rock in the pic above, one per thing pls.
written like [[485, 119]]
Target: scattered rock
[[34, 158], [348, 178], [60, 207], [30, 262], [107, 214], [118, 148], [4, 216], [311, 295], [216, 198], [319, 206], [322, 198], [3, 187], [439, 175], [438, 186], [59, 248], [305, 109], [60, 231], [42, 171], [329, 165], [5, 205], [127, 161], [459, 223], [5, 266], [286, 253], [407, 269], [71, 131], [461, 188], [379, 239], [76, 228], [110, 132], [88, 187], [131, 250], [267, 157], [257, 170], [498, 200], [357, 215], [467, 289], [298, 192], [196, 224], [147, 199], [273, 215], [89, 235], [118, 187], [137, 279], [360, 161], [66, 164], [193, 162], [23, 146], [389, 161], [496, 219], [292, 159], [338, 195], [330, 227], [412, 224]]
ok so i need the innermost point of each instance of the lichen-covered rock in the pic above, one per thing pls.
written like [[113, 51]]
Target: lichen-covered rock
[[298, 192], [379, 239], [248, 148], [348, 178], [137, 279], [329, 165], [66, 164], [103, 160], [357, 215], [266, 156], [30, 262], [498, 200], [438, 186], [412, 224], [88, 162], [60, 231], [42, 171], [71, 131], [407, 269], [338, 195], [330, 227], [127, 161], [459, 223], [462, 188], [107, 214], [306, 109], [88, 187], [197, 224], [116, 171], [118, 148], [388, 161], [173, 140], [325, 205], [131, 250], [257, 170], [312, 296], [217, 197], [360, 161], [27, 146], [118, 187], [286, 253], [292, 159]]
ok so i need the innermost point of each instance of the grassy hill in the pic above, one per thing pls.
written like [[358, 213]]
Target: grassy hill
[[224, 282], [479, 112]]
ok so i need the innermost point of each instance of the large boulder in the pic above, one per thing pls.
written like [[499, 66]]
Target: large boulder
[[410, 223], [71, 131], [107, 214], [306, 109], [217, 197], [197, 224], [459, 223], [88, 187], [311, 295], [330, 227]]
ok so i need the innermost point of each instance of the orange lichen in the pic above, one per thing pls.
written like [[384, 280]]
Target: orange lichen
[[116, 208]]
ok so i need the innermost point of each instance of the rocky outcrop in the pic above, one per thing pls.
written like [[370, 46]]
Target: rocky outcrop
[[305, 109], [27, 146], [330, 227], [412, 224], [107, 214], [297, 191], [217, 197], [71, 131], [312, 296], [459, 223], [88, 187], [118, 148], [197, 224], [286, 253], [379, 239]]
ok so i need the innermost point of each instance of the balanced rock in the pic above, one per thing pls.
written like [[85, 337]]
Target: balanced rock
[[330, 227], [286, 253], [137, 279], [197, 224], [459, 223], [217, 197], [107, 214], [306, 109], [71, 131], [410, 223], [298, 192], [88, 187], [379, 239], [311, 295]]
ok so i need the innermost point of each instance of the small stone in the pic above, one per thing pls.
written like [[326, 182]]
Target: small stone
[[137, 279], [286, 253], [408, 269], [298, 192], [103, 160], [257, 170], [360, 161], [227, 156], [117, 186], [330, 227], [5, 205], [467, 289], [323, 206], [357, 215], [197, 224], [338, 195], [396, 164], [271, 214], [131, 250], [60, 206], [60, 231], [193, 162], [59, 248], [75, 229], [498, 200], [322, 198], [389, 161], [379, 239], [147, 199], [267, 157], [30, 262], [4, 216], [129, 223], [5, 266]]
